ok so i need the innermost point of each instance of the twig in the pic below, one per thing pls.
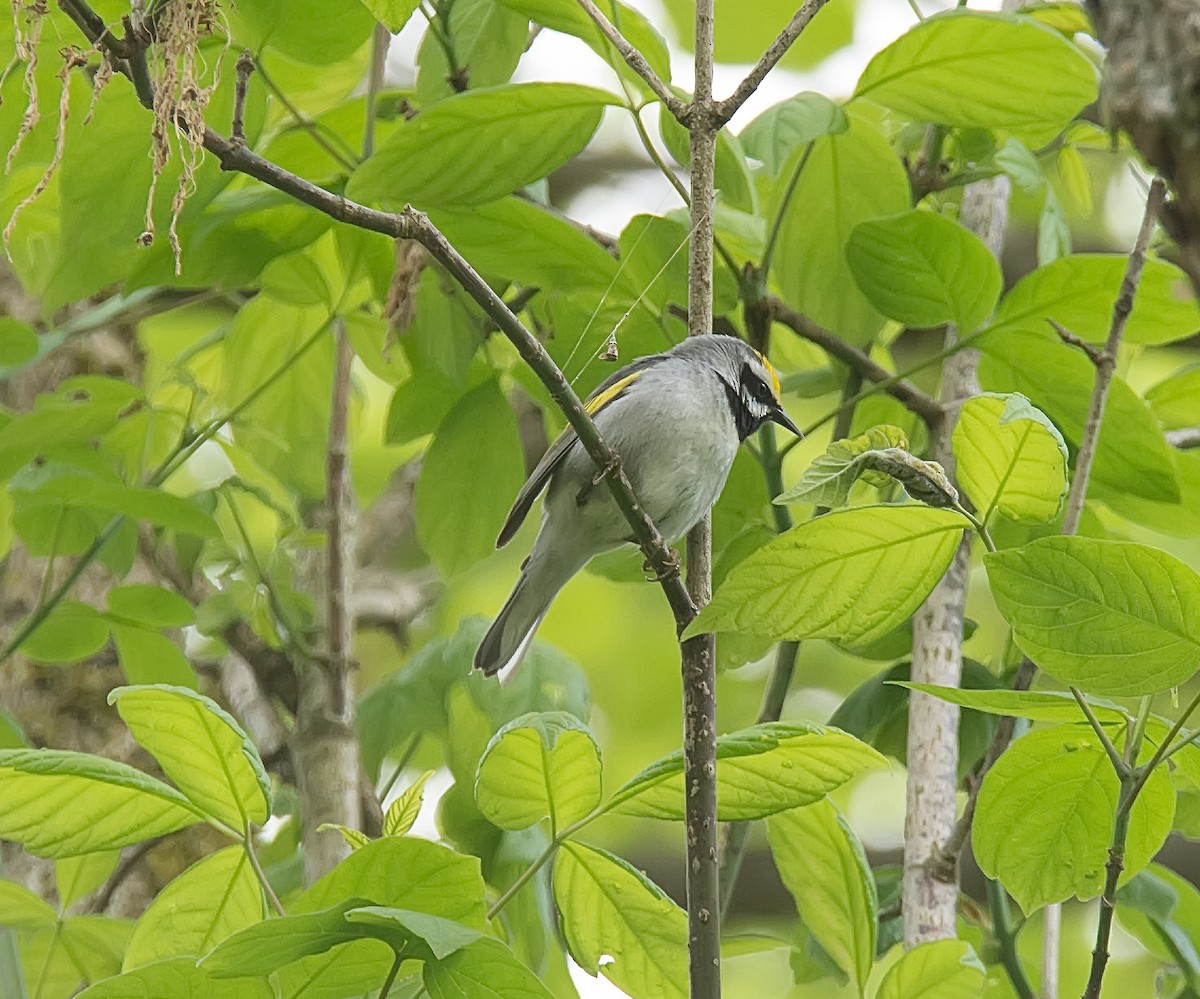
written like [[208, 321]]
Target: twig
[[1006, 937], [699, 654], [727, 108], [344, 159], [1051, 939], [245, 66], [379, 50], [1094, 353], [340, 546], [925, 406], [259, 873], [1108, 900], [637, 62], [1185, 439], [1107, 362]]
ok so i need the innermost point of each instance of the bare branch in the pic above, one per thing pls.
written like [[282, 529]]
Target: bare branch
[[727, 108], [925, 406], [1107, 362], [1095, 354], [245, 66], [637, 62]]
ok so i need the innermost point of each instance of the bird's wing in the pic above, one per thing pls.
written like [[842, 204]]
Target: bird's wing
[[606, 393]]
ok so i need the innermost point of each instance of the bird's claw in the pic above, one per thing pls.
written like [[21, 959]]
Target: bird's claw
[[602, 473], [670, 568]]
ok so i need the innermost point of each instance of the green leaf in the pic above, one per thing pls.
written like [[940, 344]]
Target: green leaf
[[823, 865], [847, 179], [539, 765], [942, 969], [457, 526], [1079, 290], [610, 910], [403, 812], [761, 770], [355, 839], [152, 606], [149, 657], [1132, 455], [1160, 907], [1036, 705], [1112, 617], [852, 575], [944, 70], [485, 968], [876, 456], [571, 19], [213, 899], [775, 134], [1176, 400], [528, 130], [75, 877], [442, 936], [400, 872], [72, 631], [61, 804], [18, 342], [923, 269], [392, 14], [488, 41], [202, 748], [176, 979], [1010, 458], [731, 173], [21, 909], [1045, 817], [314, 32], [268, 945]]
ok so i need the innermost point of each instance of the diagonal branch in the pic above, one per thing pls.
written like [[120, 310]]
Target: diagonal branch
[[637, 62], [727, 108], [904, 391]]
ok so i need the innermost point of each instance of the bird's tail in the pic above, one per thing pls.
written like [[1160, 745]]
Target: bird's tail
[[511, 634]]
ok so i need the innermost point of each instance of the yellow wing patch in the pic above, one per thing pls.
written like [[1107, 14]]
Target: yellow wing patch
[[602, 399], [772, 372]]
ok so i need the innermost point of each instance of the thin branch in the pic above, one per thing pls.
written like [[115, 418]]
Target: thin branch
[[343, 159], [1185, 439], [925, 406], [727, 108], [380, 42], [1006, 937], [245, 66], [1108, 900], [1095, 354], [1107, 362], [637, 62], [1115, 758]]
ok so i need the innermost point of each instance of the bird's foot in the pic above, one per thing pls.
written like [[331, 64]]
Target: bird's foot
[[670, 568], [603, 473]]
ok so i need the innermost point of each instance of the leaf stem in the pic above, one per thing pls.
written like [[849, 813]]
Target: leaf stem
[[256, 867], [540, 860], [777, 221], [1118, 761], [1006, 937]]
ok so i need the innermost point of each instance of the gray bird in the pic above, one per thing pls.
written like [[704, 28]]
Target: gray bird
[[676, 420]]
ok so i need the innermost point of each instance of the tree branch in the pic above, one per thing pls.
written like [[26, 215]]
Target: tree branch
[[926, 407], [637, 62], [699, 654], [727, 108]]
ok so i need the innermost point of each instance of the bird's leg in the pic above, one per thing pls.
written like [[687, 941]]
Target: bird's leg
[[585, 492], [670, 567]]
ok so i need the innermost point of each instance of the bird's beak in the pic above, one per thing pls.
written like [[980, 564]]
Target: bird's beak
[[785, 421]]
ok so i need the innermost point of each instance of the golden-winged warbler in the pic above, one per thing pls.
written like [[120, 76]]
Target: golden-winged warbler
[[676, 420]]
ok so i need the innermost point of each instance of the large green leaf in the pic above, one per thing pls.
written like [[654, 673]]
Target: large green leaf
[[21, 909], [852, 575], [488, 41], [1112, 617], [398, 872], [152, 606], [823, 865], [761, 770], [1045, 817], [1132, 455], [178, 978], [315, 32], [60, 804], [202, 748], [70, 632], [779, 131], [457, 525], [443, 937], [1162, 909], [539, 765], [945, 68], [213, 899], [528, 130], [731, 173], [392, 14], [847, 179], [75, 877], [1176, 400], [1036, 705], [941, 969], [485, 968], [1079, 290], [922, 269], [1010, 458], [611, 910]]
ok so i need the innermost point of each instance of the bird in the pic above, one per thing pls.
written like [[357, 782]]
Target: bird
[[675, 420]]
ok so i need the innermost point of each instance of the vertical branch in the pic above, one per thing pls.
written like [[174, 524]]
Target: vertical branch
[[699, 653], [324, 742], [930, 885]]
